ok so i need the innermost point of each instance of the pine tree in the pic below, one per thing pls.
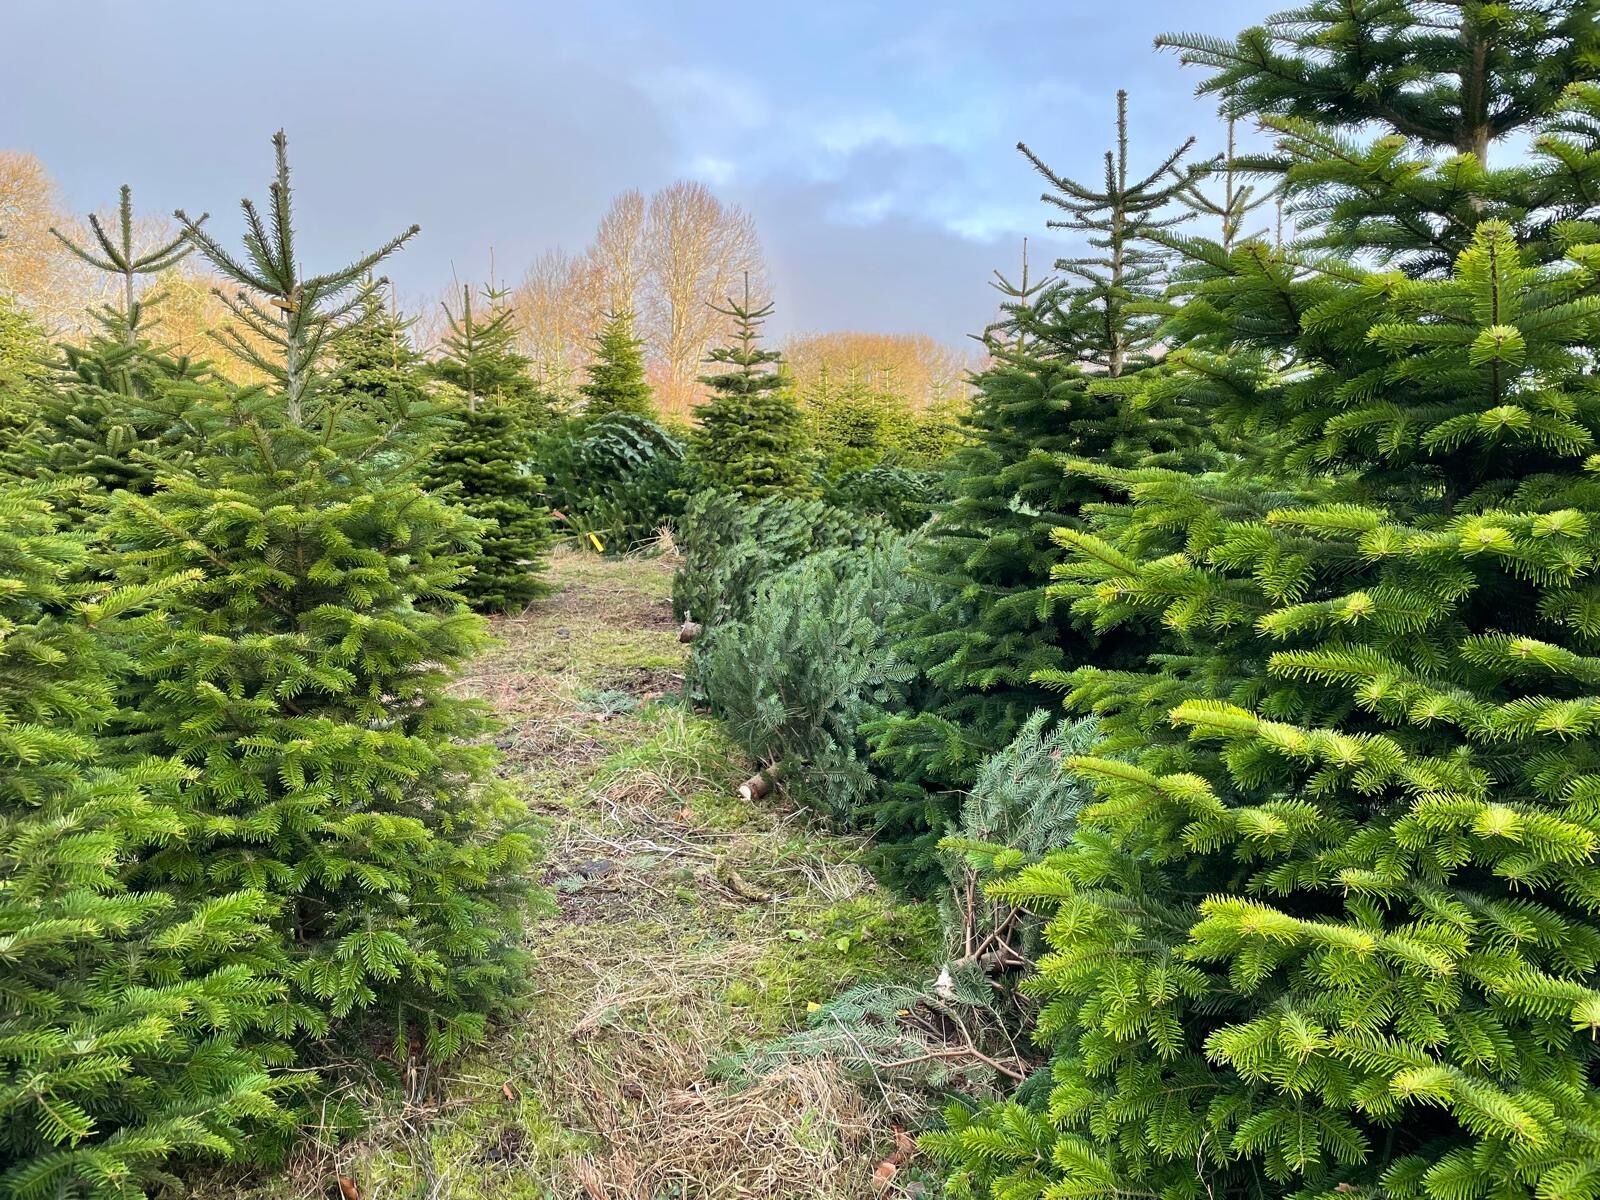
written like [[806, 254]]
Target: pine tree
[[124, 1013], [750, 436], [121, 404], [304, 670], [616, 382], [1068, 357], [1331, 928], [482, 463]]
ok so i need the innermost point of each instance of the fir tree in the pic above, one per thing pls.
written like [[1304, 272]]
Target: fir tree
[[750, 435], [304, 672], [482, 462], [1236, 202], [480, 358], [1068, 355], [121, 404], [23, 366], [123, 1012], [616, 382], [1331, 928], [1450, 81]]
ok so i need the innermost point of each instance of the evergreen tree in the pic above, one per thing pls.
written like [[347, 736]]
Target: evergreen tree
[[479, 357], [616, 381], [304, 673], [374, 360], [23, 367], [750, 436], [1067, 357], [1236, 202], [1331, 928], [123, 1012], [1449, 80], [482, 462], [121, 404]]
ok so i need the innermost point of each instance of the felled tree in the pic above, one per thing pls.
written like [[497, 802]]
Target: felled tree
[[1067, 360], [304, 675], [481, 464], [1330, 930], [120, 404], [750, 437], [123, 1012], [616, 382]]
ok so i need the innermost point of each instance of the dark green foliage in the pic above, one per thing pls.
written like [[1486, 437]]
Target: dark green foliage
[[901, 497], [113, 415], [123, 1012], [480, 460], [120, 406], [479, 358], [374, 361], [731, 544], [480, 464], [797, 677], [616, 383], [750, 437], [24, 352], [304, 674], [1331, 929], [1449, 81], [1068, 361], [615, 479]]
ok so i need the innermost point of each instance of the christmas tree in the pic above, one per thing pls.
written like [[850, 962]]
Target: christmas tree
[[482, 462], [123, 1011], [750, 437], [616, 382], [24, 351], [1068, 355], [1329, 930], [121, 404], [479, 357], [303, 674]]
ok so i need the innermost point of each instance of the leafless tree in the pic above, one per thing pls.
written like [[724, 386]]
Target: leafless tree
[[617, 254], [558, 305], [696, 250]]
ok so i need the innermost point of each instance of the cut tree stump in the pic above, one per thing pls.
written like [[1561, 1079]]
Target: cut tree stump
[[759, 786]]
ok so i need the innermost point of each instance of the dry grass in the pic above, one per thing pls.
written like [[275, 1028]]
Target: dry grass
[[686, 924]]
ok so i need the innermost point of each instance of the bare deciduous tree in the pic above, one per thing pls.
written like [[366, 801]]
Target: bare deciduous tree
[[618, 252], [559, 305], [696, 252], [926, 371]]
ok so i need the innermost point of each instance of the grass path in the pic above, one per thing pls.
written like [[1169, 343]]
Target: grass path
[[685, 925]]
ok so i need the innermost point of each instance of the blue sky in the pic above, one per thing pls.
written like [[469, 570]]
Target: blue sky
[[872, 141]]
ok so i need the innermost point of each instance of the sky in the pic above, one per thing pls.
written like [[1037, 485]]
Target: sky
[[872, 140]]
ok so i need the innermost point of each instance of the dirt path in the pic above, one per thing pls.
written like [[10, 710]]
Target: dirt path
[[685, 925]]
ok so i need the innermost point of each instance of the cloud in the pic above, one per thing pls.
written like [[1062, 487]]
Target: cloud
[[873, 142]]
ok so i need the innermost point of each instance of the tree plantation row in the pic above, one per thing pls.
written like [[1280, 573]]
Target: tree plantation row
[[1225, 675]]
